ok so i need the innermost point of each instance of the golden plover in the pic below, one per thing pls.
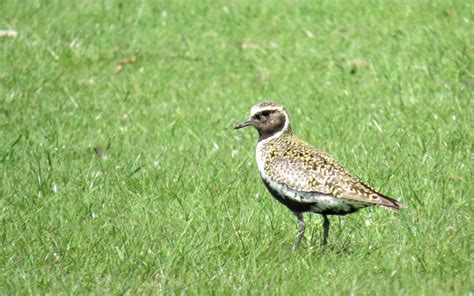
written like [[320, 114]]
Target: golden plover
[[303, 178]]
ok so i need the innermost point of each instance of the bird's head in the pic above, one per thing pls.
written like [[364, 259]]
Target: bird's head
[[270, 119]]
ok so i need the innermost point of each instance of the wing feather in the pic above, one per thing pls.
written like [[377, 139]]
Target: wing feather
[[302, 168]]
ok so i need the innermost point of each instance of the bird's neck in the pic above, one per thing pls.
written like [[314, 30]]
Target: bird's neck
[[265, 135]]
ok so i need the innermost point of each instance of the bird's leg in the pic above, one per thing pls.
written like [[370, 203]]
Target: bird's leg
[[325, 230], [301, 227]]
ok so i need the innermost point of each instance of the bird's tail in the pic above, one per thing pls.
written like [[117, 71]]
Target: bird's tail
[[385, 201], [390, 203]]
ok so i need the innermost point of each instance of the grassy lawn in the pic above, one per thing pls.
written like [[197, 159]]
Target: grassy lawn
[[121, 173]]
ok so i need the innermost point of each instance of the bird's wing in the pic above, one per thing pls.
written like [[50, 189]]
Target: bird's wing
[[303, 168]]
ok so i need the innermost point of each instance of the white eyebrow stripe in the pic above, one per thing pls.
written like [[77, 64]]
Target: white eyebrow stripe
[[257, 109]]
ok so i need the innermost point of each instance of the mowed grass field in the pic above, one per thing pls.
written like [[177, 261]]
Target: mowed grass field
[[121, 173]]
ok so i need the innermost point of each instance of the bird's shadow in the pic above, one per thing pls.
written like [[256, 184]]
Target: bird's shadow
[[345, 246]]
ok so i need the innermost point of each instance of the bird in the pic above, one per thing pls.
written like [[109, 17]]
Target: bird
[[304, 178]]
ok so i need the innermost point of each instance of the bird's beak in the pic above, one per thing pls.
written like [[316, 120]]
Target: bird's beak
[[243, 124]]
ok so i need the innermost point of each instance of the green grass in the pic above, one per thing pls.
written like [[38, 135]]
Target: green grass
[[176, 204]]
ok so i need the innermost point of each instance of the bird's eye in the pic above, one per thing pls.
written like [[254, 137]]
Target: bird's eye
[[265, 113]]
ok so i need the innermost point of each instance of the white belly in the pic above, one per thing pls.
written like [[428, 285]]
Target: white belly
[[318, 202]]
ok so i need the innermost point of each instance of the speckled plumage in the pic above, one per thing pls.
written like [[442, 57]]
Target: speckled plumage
[[301, 167], [303, 178]]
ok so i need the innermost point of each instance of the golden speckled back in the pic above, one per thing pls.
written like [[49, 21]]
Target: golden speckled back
[[301, 167]]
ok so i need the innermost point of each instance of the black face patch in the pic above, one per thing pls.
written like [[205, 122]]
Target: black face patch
[[269, 122]]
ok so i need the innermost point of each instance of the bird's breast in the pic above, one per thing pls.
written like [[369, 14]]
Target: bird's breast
[[261, 157]]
